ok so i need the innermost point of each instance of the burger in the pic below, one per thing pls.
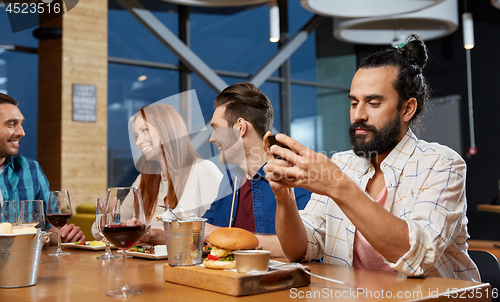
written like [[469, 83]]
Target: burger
[[226, 240]]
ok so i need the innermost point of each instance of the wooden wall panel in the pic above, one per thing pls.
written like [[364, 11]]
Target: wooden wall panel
[[49, 106], [77, 161]]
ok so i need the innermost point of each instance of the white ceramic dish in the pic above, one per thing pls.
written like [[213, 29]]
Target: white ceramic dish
[[72, 245], [147, 256]]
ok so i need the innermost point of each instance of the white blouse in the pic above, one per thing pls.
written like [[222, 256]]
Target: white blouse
[[200, 191]]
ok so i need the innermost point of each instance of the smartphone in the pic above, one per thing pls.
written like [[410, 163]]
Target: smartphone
[[272, 141]]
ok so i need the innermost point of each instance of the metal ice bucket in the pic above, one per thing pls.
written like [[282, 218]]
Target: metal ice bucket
[[19, 259], [184, 241]]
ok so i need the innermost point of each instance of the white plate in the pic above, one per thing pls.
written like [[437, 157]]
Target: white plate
[[72, 245], [153, 256], [147, 256]]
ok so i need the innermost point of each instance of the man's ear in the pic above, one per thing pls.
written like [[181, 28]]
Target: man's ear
[[241, 125], [409, 109]]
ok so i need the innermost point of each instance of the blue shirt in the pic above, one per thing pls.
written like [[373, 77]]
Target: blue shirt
[[264, 203], [23, 179]]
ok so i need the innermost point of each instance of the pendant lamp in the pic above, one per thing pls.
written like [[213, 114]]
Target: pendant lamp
[[365, 8], [217, 3], [431, 23]]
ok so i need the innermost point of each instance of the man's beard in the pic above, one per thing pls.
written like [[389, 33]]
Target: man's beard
[[232, 151], [382, 140]]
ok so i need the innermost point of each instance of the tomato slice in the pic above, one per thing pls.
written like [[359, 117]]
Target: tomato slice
[[212, 257]]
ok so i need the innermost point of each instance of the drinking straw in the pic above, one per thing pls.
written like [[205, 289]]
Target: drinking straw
[[232, 205]]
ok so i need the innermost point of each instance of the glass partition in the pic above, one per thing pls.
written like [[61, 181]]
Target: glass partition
[[127, 38]]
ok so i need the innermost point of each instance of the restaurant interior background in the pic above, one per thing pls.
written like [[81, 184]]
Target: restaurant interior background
[[234, 42]]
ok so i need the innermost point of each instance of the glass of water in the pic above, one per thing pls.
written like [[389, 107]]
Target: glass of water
[[9, 211], [31, 213], [99, 213]]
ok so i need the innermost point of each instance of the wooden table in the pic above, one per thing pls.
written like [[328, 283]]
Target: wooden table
[[488, 208], [485, 245], [81, 277]]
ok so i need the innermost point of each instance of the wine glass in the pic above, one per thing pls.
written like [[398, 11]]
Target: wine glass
[[58, 214], [124, 224], [31, 213], [9, 211], [99, 213]]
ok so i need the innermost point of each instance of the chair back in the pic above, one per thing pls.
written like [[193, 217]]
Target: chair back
[[489, 269]]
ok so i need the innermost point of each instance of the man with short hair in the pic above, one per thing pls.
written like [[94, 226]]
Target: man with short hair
[[22, 178], [392, 203], [243, 114]]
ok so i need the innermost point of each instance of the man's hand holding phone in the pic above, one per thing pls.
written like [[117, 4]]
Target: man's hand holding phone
[[272, 141], [280, 189], [303, 168]]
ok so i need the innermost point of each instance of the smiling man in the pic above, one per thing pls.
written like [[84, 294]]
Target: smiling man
[[243, 114], [394, 202], [22, 178]]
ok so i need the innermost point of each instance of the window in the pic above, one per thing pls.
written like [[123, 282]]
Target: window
[[129, 89], [237, 41], [127, 38], [19, 79]]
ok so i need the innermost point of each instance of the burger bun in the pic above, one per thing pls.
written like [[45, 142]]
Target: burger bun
[[233, 239], [215, 264]]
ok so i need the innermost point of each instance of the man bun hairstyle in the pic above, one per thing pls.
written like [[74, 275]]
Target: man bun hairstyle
[[409, 60], [245, 100], [7, 99], [416, 52]]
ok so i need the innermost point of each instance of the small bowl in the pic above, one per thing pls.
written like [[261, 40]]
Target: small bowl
[[252, 260]]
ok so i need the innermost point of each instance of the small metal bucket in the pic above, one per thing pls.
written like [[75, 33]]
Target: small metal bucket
[[19, 259], [184, 241]]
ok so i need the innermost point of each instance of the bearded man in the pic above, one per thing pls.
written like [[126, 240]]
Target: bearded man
[[394, 202]]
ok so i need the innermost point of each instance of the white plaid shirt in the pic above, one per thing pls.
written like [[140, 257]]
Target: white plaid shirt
[[426, 186]]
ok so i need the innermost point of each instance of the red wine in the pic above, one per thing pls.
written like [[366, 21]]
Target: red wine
[[58, 220], [122, 235]]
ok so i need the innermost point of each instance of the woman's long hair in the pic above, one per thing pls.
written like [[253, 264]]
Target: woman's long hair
[[178, 154]]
